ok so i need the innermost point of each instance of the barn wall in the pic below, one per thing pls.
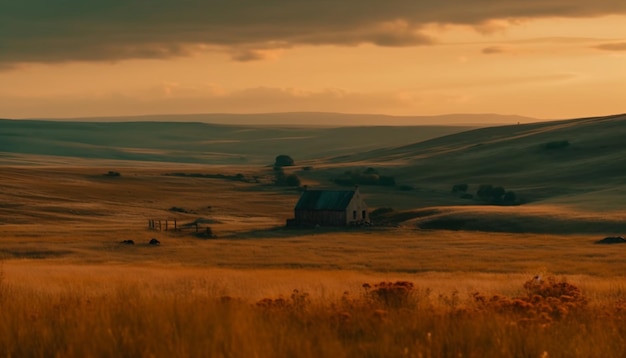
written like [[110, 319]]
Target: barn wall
[[320, 217]]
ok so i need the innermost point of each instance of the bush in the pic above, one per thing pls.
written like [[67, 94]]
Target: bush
[[459, 188], [556, 144], [495, 195], [390, 294]]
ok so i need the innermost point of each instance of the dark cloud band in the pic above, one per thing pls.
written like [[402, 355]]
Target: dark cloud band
[[78, 30]]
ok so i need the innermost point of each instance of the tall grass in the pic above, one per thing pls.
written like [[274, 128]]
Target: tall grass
[[547, 318]]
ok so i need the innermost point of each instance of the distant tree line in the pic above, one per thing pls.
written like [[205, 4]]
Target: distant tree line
[[487, 193], [369, 176]]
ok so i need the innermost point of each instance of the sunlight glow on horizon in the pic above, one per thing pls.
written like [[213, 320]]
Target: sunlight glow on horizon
[[546, 68]]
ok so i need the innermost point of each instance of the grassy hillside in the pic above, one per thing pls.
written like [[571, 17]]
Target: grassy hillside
[[517, 281], [200, 142], [567, 177], [541, 160]]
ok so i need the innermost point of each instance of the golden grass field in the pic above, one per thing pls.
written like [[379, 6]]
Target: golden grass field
[[69, 288]]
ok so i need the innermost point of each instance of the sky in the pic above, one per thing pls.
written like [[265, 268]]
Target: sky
[[546, 59]]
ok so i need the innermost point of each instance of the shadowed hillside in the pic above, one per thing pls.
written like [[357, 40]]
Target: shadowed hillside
[[579, 162], [567, 176], [564, 151], [200, 142]]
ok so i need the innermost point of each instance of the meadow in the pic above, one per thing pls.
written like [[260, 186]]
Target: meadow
[[521, 281]]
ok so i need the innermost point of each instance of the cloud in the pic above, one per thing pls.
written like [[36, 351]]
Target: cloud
[[499, 49], [107, 30], [493, 50], [617, 46], [246, 55]]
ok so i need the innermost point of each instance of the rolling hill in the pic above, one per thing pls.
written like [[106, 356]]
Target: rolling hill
[[569, 175], [204, 143], [589, 152]]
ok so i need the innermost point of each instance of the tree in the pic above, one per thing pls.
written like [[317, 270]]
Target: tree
[[510, 197], [497, 193], [283, 160], [484, 191], [292, 180], [456, 188]]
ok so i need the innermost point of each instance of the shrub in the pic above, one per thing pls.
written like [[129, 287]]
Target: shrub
[[544, 300], [390, 294], [556, 144], [459, 188], [178, 209], [495, 195]]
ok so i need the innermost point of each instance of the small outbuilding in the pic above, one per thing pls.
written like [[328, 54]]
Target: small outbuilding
[[330, 208]]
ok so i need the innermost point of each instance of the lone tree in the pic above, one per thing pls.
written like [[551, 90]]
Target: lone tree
[[283, 161]]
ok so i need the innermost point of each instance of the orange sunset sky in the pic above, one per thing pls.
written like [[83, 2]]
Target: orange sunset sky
[[547, 59]]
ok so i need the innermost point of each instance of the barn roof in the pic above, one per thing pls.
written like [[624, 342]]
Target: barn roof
[[325, 200]]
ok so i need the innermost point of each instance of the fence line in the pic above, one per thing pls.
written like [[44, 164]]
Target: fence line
[[166, 225]]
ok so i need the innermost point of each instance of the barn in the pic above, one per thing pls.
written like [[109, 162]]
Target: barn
[[330, 208]]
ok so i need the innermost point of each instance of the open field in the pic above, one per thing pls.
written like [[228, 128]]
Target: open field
[[68, 287]]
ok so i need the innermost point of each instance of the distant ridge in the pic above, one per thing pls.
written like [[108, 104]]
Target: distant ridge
[[325, 119], [195, 142]]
